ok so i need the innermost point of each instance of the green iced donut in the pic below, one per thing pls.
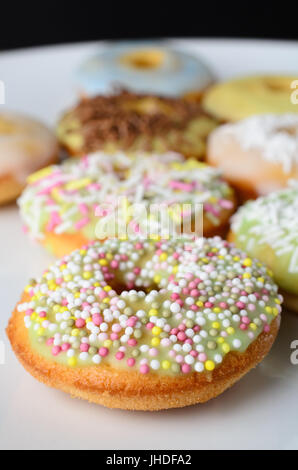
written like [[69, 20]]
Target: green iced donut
[[267, 229]]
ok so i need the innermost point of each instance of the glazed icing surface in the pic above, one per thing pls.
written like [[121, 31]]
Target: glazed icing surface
[[171, 307], [275, 135], [86, 194], [24, 145], [268, 229]]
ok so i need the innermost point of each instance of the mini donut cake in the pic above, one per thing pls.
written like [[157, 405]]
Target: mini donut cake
[[68, 205], [268, 230], [147, 325], [26, 146], [257, 155], [243, 97], [130, 122], [146, 67]]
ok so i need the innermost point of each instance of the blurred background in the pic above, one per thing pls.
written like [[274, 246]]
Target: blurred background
[[50, 22]]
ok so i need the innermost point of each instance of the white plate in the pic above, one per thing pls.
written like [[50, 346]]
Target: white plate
[[261, 411]]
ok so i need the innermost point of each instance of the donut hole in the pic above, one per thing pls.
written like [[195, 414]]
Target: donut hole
[[144, 59]]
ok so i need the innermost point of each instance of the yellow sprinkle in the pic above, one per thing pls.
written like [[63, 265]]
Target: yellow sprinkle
[[34, 316], [79, 184], [68, 278], [247, 262], [72, 361], [87, 275], [226, 348], [77, 295], [106, 300], [63, 267], [166, 365], [156, 331], [216, 310], [152, 312], [236, 258], [270, 272], [220, 340], [40, 331], [56, 308], [107, 288], [155, 342], [230, 330], [163, 257], [275, 311], [247, 275], [75, 332], [216, 325], [107, 343], [175, 269], [157, 279], [277, 301], [83, 252], [103, 262], [109, 256], [253, 326], [89, 320], [261, 279], [268, 310], [96, 284], [209, 365], [38, 175], [199, 303], [63, 309]]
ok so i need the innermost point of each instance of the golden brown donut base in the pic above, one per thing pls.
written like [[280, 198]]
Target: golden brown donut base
[[11, 188], [130, 390]]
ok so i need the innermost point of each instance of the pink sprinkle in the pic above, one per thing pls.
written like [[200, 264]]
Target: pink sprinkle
[[114, 264], [50, 342], [120, 355], [83, 209], [186, 368], [103, 352], [114, 336], [131, 362], [149, 326], [240, 304], [188, 187], [29, 312], [65, 347], [82, 223], [132, 342], [56, 350], [144, 369], [179, 358], [42, 314], [246, 320], [243, 326], [266, 328], [84, 347], [226, 204], [202, 357], [181, 336], [80, 323]]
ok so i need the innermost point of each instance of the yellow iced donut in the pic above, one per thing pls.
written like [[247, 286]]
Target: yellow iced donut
[[243, 97]]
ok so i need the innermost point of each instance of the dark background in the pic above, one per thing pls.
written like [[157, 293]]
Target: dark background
[[25, 23]]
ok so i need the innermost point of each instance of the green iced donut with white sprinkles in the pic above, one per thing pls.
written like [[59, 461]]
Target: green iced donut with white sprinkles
[[267, 229]]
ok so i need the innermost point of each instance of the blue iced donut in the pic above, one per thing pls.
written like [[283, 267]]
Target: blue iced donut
[[148, 67]]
